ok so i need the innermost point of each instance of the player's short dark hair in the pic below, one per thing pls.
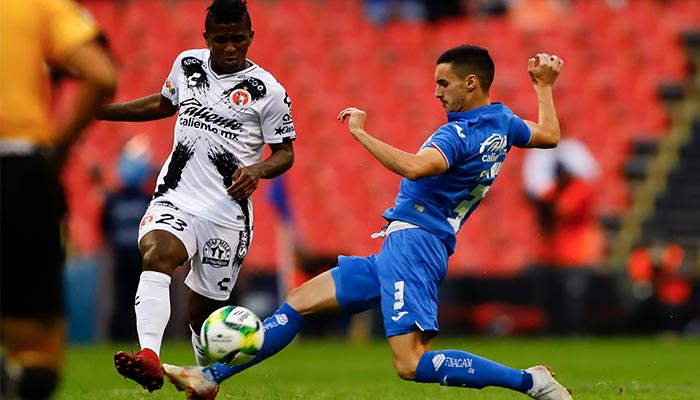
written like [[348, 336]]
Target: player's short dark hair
[[227, 12], [470, 59]]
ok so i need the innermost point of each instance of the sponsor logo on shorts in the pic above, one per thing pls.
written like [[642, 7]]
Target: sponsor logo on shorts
[[243, 243], [399, 315], [217, 253], [147, 219]]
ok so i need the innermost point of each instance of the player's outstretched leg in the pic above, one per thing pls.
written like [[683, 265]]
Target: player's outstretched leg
[[192, 381], [544, 386], [280, 328], [142, 367], [462, 369]]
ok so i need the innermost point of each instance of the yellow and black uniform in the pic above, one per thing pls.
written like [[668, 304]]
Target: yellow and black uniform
[[33, 35]]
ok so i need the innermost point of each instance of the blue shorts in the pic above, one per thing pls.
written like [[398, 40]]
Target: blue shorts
[[403, 278]]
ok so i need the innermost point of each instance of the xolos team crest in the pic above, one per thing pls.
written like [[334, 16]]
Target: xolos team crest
[[246, 92]]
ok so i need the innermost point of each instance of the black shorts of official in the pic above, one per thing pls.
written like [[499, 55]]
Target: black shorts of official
[[32, 207]]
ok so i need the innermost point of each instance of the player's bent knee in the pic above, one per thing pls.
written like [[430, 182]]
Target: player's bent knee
[[159, 260], [315, 296], [405, 371], [37, 383], [305, 302]]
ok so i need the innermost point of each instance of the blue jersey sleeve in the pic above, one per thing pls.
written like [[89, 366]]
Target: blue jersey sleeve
[[520, 132], [445, 140]]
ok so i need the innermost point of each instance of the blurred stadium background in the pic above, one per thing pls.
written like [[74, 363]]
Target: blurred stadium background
[[630, 91]]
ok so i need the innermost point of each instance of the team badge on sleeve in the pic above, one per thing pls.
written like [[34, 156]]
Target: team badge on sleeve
[[169, 87]]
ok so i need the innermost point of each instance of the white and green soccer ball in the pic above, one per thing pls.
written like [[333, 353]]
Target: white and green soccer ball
[[232, 335]]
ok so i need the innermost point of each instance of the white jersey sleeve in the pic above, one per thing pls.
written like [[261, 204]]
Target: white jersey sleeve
[[276, 117], [170, 87]]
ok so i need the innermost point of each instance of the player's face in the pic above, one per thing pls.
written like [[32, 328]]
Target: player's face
[[450, 88], [229, 45]]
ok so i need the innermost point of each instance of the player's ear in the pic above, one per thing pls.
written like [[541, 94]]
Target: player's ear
[[206, 38], [252, 33], [471, 82]]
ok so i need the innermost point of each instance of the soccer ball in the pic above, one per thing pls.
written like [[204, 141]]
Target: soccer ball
[[232, 335]]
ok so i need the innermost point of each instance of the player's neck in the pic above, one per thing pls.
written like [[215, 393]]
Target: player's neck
[[476, 102]]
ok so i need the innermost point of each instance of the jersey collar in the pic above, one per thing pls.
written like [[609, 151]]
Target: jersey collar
[[243, 71], [454, 116]]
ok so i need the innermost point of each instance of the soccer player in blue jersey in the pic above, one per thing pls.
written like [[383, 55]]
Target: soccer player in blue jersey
[[443, 184]]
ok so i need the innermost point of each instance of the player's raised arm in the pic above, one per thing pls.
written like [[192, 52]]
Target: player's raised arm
[[149, 108], [427, 162], [543, 70]]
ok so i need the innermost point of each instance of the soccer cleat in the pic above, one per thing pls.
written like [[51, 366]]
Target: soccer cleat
[[142, 367], [192, 381], [545, 387]]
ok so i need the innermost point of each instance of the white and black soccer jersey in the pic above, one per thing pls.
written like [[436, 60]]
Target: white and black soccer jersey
[[223, 123]]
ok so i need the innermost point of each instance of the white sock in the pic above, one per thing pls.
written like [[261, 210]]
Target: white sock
[[152, 306], [199, 354]]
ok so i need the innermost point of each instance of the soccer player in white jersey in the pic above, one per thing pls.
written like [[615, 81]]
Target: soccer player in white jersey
[[444, 182], [228, 109]]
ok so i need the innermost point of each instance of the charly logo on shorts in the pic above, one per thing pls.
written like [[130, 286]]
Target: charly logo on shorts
[[217, 253]]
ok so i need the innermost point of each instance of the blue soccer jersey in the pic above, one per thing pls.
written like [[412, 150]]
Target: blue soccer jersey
[[474, 144]]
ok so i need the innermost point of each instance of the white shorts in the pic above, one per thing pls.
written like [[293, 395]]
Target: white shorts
[[216, 252]]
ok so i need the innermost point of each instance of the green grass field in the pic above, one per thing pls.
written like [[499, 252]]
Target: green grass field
[[661, 368]]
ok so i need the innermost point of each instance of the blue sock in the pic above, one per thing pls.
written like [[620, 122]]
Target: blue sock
[[459, 368], [280, 328]]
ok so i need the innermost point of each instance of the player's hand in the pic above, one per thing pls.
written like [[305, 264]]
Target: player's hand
[[245, 181], [544, 68], [356, 119]]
